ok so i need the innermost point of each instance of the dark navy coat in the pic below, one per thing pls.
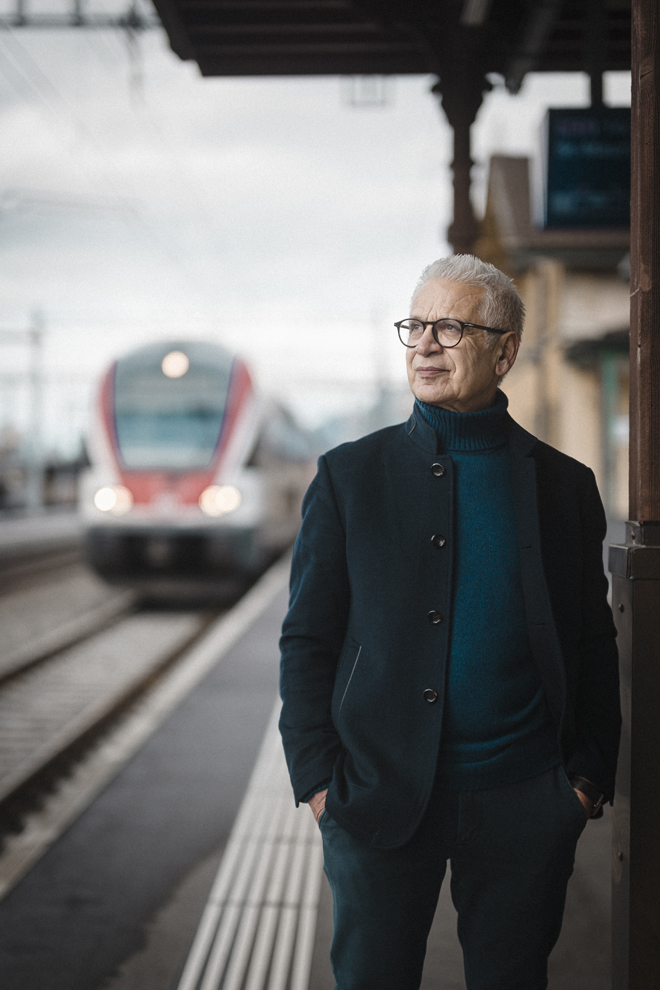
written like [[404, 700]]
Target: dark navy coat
[[362, 641]]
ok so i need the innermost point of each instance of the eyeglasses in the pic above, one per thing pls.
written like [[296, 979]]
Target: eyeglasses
[[447, 333]]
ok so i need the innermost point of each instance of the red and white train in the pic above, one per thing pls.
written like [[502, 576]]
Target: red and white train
[[194, 476]]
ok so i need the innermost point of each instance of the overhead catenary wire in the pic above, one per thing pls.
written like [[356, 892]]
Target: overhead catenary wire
[[29, 81], [171, 151]]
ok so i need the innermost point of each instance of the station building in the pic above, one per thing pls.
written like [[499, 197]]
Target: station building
[[570, 385]]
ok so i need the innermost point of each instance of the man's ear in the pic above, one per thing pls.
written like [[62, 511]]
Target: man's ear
[[507, 352]]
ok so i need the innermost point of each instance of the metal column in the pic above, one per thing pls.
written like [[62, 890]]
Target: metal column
[[636, 565]]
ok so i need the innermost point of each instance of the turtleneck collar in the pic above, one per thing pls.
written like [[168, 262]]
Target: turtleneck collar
[[483, 430]]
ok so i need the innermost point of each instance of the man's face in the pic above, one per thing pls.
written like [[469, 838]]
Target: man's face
[[462, 378]]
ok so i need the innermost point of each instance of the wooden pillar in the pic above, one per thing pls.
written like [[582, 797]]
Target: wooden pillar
[[461, 95], [635, 566], [645, 264]]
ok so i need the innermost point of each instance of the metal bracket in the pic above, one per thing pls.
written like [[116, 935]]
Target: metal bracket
[[640, 563]]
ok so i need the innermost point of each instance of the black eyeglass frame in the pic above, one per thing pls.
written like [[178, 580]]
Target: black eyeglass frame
[[444, 319]]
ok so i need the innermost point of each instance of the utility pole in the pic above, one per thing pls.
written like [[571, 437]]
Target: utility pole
[[35, 474], [635, 566], [380, 353]]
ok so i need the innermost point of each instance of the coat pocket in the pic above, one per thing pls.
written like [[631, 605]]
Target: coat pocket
[[348, 667]]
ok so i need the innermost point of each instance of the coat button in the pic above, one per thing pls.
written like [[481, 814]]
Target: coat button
[[438, 470], [434, 617], [438, 541], [431, 696]]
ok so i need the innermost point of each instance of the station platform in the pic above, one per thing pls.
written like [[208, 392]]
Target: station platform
[[24, 536], [193, 870]]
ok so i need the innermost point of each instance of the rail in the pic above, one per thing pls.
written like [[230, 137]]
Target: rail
[[95, 738]]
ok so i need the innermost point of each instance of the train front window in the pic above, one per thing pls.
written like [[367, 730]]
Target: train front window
[[168, 423]]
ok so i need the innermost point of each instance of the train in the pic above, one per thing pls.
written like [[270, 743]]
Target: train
[[194, 475]]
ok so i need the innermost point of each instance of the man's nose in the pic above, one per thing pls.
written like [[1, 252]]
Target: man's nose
[[427, 342]]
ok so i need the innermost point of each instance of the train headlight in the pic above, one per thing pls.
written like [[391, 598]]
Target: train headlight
[[217, 500], [115, 499], [175, 364]]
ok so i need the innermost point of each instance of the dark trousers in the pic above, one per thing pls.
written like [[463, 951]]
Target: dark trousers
[[511, 850]]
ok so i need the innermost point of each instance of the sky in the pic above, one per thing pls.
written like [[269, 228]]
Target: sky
[[272, 215]]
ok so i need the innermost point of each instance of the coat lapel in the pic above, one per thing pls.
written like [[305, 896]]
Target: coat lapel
[[540, 621]]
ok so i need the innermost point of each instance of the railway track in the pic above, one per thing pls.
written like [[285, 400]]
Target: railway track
[[51, 709], [32, 546], [74, 653], [31, 636], [61, 711]]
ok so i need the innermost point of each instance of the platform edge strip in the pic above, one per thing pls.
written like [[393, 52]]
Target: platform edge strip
[[257, 929]]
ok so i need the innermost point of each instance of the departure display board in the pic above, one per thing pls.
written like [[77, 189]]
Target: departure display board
[[586, 165]]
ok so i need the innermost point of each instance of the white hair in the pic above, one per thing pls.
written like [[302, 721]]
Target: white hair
[[501, 306]]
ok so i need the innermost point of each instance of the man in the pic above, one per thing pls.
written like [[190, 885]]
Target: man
[[449, 668]]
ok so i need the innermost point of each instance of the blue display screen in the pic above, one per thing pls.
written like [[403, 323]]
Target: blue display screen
[[587, 167]]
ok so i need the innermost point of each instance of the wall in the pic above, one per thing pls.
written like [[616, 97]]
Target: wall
[[562, 403]]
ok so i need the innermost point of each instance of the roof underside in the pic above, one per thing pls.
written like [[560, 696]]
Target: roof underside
[[345, 37]]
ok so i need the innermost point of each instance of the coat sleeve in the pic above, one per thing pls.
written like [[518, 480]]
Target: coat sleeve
[[312, 636], [598, 708]]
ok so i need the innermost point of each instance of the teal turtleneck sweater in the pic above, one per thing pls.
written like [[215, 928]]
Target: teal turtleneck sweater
[[496, 727]]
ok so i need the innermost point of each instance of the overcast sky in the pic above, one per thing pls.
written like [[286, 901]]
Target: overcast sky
[[270, 214]]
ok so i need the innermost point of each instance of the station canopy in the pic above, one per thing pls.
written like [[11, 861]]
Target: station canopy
[[390, 37]]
